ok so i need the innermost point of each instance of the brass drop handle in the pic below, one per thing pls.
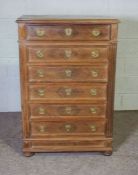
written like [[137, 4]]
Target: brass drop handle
[[40, 32], [42, 128], [39, 54], [96, 32], [41, 111], [93, 128], [68, 110], [41, 92], [68, 73], [68, 53], [94, 73], [93, 110], [68, 31], [68, 127], [95, 53], [93, 92], [68, 91], [40, 73]]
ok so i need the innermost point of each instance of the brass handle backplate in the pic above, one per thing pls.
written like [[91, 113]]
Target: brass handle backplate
[[41, 92], [41, 111], [68, 31], [40, 54], [93, 128], [93, 110], [40, 73], [96, 32], [93, 92], [95, 53], [42, 128], [40, 32], [94, 73]]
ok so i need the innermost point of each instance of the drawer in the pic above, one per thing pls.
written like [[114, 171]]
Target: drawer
[[68, 73], [68, 32], [59, 111], [68, 91], [67, 54], [69, 127]]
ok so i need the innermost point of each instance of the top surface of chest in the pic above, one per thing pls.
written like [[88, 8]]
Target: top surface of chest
[[66, 18]]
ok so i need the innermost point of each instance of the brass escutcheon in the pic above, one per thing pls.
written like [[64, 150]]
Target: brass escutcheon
[[68, 31], [68, 110], [68, 127], [68, 91], [68, 53], [68, 73]]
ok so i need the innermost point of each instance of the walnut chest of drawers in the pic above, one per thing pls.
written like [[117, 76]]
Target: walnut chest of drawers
[[67, 70]]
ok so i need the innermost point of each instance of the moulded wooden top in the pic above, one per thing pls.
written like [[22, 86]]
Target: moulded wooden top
[[65, 19]]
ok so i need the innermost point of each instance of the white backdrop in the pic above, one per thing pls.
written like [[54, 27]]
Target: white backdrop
[[126, 94]]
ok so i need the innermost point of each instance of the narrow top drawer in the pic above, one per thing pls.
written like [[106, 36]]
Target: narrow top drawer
[[68, 32]]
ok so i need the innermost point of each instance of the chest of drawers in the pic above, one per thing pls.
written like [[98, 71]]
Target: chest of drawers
[[67, 70]]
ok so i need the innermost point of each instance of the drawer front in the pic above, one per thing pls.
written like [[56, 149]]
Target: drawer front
[[68, 32], [68, 73], [68, 91], [69, 127], [58, 111], [68, 54]]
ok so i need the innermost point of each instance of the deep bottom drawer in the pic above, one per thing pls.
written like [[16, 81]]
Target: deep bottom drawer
[[67, 128]]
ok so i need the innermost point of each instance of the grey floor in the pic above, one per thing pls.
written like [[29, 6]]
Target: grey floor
[[124, 160]]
